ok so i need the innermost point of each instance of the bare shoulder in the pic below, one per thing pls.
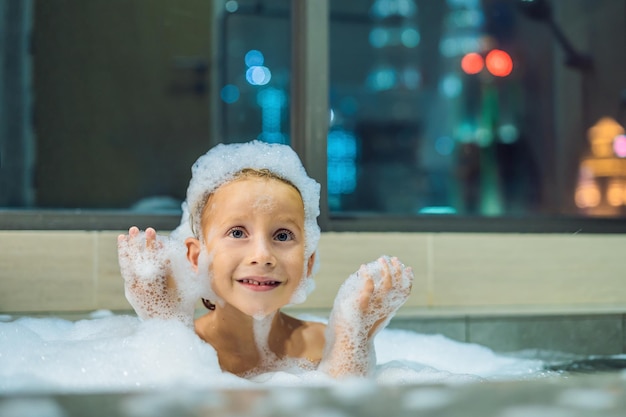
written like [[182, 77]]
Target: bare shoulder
[[303, 328], [306, 338], [314, 330]]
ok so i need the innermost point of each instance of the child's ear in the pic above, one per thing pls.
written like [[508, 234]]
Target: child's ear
[[193, 251], [310, 264]]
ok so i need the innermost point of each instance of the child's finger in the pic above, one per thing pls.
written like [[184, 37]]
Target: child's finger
[[150, 237], [398, 269], [133, 231], [366, 294], [387, 279]]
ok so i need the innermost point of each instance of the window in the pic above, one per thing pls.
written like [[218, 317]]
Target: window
[[460, 115]]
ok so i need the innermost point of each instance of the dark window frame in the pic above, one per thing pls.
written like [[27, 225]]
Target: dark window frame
[[309, 126]]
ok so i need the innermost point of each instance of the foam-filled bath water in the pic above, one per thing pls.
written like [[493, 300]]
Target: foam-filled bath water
[[112, 353]]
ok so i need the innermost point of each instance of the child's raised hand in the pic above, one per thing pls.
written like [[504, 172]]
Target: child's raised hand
[[149, 283], [386, 285], [376, 291], [365, 303]]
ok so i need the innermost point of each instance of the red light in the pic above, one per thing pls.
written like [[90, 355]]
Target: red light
[[472, 63], [499, 63]]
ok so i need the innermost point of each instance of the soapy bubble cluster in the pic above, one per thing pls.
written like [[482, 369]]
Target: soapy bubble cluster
[[113, 353]]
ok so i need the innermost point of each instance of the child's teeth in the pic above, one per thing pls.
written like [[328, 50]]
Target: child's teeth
[[249, 281]]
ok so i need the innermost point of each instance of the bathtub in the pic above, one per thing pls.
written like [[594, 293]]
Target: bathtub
[[509, 292]]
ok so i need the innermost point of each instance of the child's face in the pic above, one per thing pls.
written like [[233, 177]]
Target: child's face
[[254, 233]]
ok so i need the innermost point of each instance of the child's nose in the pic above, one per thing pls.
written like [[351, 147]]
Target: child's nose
[[262, 253]]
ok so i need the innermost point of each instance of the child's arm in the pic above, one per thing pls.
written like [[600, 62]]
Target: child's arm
[[149, 282], [365, 303]]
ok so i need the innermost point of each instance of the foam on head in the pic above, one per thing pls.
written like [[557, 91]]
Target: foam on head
[[223, 163]]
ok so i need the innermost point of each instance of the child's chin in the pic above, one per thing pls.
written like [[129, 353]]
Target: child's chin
[[259, 312]]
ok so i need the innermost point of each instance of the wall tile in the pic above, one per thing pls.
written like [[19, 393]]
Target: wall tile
[[341, 254], [110, 284], [460, 272], [47, 271], [516, 269]]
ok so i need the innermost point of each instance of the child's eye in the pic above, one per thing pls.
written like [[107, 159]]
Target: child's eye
[[284, 235], [236, 233]]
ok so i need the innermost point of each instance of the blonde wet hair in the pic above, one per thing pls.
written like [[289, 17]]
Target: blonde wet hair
[[262, 173]]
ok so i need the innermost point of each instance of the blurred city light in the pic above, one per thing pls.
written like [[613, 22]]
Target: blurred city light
[[499, 63]]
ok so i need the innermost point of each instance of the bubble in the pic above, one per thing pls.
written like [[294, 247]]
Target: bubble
[[123, 353], [306, 287]]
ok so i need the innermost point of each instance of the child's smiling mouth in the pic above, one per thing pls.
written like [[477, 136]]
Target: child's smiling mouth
[[259, 284]]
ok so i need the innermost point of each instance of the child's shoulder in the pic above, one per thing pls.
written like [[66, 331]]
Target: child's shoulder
[[305, 336], [301, 324]]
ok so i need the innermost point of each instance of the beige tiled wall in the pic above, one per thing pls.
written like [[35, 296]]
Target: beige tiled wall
[[61, 271]]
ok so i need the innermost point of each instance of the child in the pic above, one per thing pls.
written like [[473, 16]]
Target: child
[[249, 234]]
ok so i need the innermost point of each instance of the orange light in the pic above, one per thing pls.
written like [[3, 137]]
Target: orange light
[[472, 63], [587, 195], [614, 194], [499, 63]]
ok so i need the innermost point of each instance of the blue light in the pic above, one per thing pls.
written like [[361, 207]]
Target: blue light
[[379, 37], [258, 75], [508, 133], [231, 6], [451, 86], [438, 210], [382, 78], [254, 58], [341, 169], [272, 101], [444, 145], [410, 37], [229, 93]]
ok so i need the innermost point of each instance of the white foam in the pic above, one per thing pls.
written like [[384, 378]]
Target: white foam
[[107, 354], [122, 353]]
